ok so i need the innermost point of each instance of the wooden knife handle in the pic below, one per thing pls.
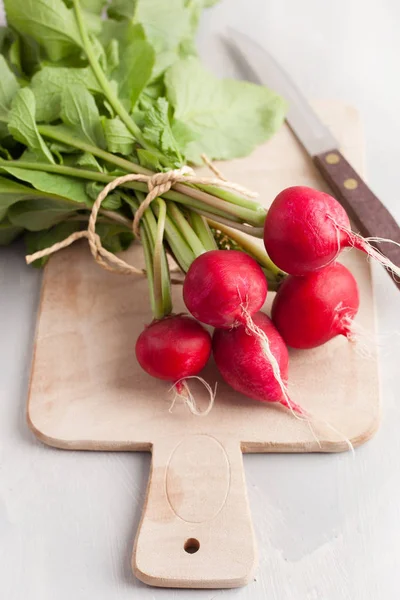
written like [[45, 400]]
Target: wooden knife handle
[[366, 211]]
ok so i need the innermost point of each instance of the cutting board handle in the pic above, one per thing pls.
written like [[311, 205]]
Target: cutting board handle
[[196, 529]]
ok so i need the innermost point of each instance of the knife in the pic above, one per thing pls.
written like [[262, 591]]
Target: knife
[[366, 211]]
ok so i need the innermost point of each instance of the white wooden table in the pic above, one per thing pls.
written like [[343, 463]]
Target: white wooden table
[[328, 526]]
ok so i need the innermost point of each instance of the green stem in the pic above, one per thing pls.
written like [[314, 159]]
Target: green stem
[[102, 79], [245, 242], [117, 218], [233, 209], [56, 133], [58, 170], [203, 231], [152, 232], [231, 197], [102, 219], [273, 283], [186, 230], [148, 257], [162, 289], [166, 284], [257, 232], [181, 251], [183, 191], [198, 205], [148, 217], [104, 178], [244, 214]]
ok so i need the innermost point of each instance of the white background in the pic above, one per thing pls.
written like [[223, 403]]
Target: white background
[[328, 527]]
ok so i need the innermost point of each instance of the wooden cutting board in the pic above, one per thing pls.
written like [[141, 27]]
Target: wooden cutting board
[[88, 393]]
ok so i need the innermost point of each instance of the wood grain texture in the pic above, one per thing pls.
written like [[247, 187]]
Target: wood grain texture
[[370, 217], [87, 392]]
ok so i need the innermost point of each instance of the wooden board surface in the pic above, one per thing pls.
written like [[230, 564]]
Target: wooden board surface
[[87, 392]]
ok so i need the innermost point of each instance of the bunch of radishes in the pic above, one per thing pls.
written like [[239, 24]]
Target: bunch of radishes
[[304, 232]]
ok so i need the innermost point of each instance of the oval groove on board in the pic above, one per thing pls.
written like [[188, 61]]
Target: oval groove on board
[[198, 478]]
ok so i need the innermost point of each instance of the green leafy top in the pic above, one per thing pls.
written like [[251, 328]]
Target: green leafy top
[[136, 70], [85, 98]]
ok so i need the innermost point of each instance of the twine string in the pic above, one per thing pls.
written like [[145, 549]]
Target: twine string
[[158, 184], [213, 167]]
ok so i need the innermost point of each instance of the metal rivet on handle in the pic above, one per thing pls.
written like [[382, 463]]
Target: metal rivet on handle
[[332, 158], [350, 184]]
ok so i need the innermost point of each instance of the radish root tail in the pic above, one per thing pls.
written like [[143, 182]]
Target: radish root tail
[[364, 244], [366, 342], [253, 329], [363, 341], [297, 411], [309, 418], [339, 433], [183, 391]]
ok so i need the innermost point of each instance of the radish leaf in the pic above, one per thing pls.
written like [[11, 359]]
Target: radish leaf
[[134, 71], [8, 232], [49, 22], [157, 131], [88, 161], [165, 25], [12, 192], [112, 202], [22, 125], [114, 237], [51, 183], [231, 120], [92, 6], [9, 86], [121, 9], [150, 160], [40, 213], [118, 138], [79, 110], [48, 85]]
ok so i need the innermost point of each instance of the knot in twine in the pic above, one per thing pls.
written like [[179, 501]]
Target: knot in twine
[[158, 184]]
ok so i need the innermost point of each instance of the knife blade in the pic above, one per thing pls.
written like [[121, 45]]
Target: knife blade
[[263, 68], [367, 212]]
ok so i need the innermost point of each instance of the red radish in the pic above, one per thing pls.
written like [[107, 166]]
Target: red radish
[[309, 311], [306, 229], [242, 363], [173, 348], [223, 286]]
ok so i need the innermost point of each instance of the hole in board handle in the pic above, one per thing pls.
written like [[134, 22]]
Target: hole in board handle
[[191, 546]]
